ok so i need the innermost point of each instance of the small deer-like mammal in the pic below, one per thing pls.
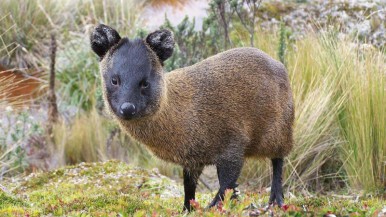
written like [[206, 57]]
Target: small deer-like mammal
[[233, 105]]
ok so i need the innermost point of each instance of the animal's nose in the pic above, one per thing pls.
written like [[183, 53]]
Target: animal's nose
[[127, 110]]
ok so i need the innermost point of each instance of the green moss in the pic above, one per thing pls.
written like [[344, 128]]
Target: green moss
[[93, 188], [312, 202], [12, 206], [117, 189], [6, 200]]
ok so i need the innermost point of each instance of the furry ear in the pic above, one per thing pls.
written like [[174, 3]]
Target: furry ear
[[162, 43], [103, 38]]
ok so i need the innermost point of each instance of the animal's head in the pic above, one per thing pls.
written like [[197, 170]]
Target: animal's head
[[132, 73]]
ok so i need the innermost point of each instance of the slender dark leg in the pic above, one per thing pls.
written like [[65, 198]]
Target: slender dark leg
[[228, 171], [277, 188], [190, 184]]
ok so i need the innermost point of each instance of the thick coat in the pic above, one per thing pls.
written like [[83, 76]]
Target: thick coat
[[233, 105], [238, 102]]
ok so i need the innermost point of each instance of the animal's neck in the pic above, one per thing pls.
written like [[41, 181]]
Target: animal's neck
[[152, 129], [160, 132]]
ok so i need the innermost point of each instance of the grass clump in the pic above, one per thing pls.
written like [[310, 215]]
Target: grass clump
[[363, 121], [88, 138], [339, 92]]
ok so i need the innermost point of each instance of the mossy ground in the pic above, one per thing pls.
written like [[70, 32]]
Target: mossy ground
[[117, 189]]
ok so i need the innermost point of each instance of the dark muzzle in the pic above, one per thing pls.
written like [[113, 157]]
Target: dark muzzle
[[127, 110]]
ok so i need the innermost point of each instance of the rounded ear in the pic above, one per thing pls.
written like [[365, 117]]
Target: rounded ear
[[162, 43], [103, 38]]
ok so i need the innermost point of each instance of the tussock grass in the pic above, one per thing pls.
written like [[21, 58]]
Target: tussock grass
[[28, 24], [11, 156], [363, 120], [85, 139], [7, 85], [339, 92], [91, 137]]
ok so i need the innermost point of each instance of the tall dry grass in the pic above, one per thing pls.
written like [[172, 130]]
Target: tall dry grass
[[84, 139], [93, 137], [29, 23], [340, 128], [363, 118]]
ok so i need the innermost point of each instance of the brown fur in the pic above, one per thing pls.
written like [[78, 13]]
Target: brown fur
[[236, 102]]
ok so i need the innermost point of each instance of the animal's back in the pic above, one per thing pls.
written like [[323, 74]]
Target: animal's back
[[242, 95]]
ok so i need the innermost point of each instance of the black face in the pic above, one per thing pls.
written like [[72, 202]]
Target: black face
[[132, 85]]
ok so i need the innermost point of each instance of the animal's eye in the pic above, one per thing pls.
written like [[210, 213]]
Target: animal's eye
[[114, 80], [144, 84]]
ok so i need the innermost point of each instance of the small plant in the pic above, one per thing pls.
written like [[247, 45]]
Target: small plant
[[221, 12], [77, 73], [246, 12], [282, 43], [15, 131], [191, 45]]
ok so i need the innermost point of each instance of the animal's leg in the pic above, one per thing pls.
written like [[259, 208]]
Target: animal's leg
[[190, 183], [228, 171], [276, 188]]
